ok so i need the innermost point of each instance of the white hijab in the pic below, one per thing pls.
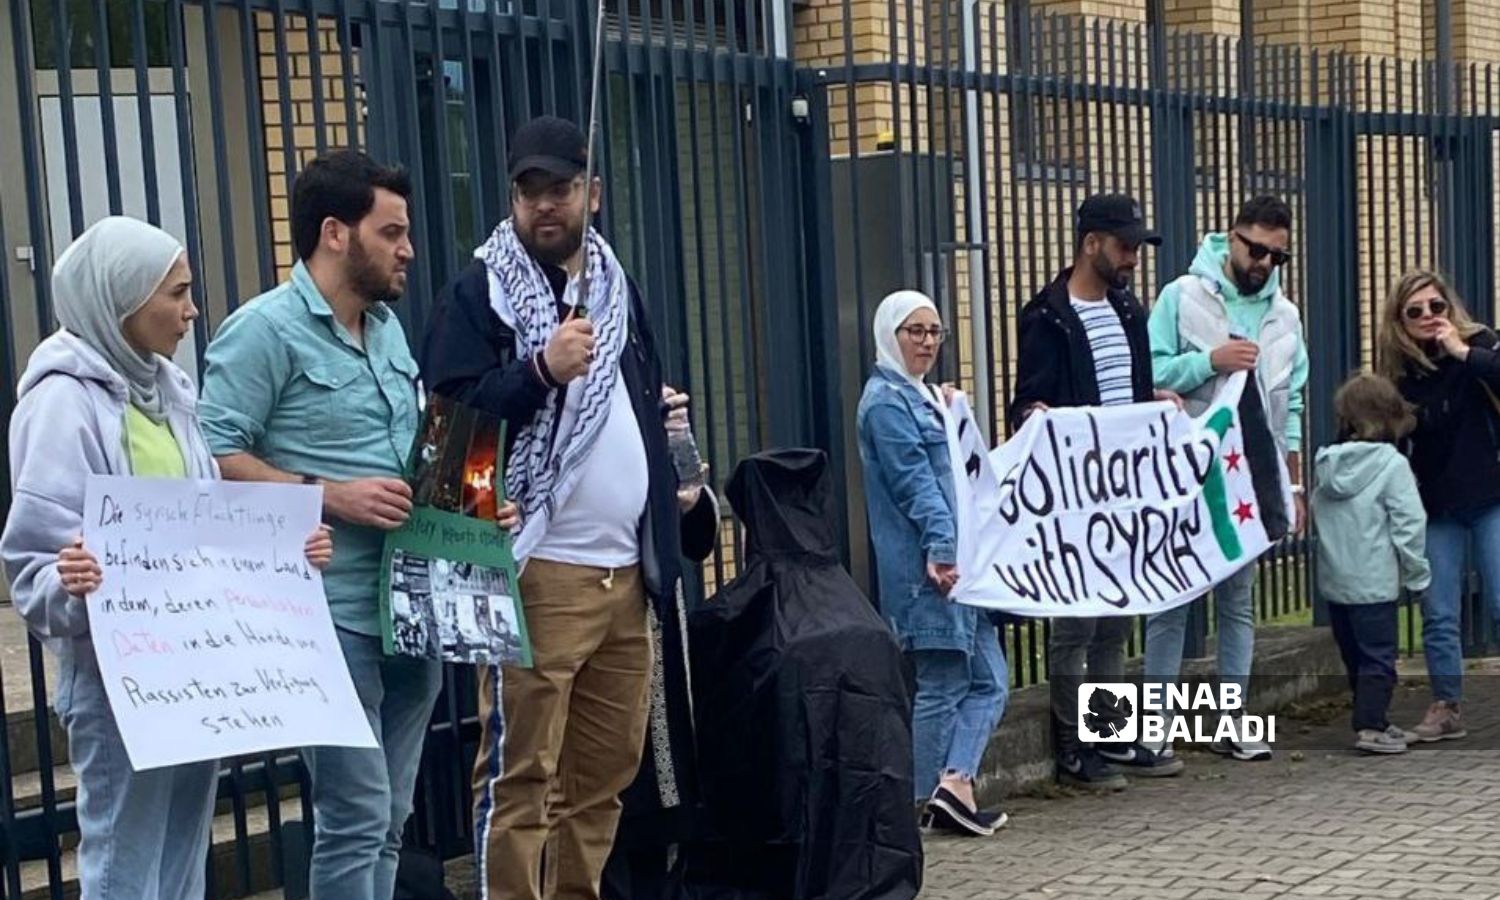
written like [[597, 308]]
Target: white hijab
[[103, 277], [892, 313]]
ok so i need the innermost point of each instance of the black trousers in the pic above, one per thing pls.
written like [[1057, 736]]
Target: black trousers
[[1366, 634]]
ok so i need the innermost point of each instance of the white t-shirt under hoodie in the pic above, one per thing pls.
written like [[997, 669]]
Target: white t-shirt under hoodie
[[598, 525]]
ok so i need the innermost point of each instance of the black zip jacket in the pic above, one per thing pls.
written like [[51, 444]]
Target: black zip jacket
[[1056, 365]]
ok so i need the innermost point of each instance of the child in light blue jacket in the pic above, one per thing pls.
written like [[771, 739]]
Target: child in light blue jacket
[[1371, 543]]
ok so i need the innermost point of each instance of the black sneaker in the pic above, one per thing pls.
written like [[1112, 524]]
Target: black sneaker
[[1140, 761], [951, 814], [1085, 768]]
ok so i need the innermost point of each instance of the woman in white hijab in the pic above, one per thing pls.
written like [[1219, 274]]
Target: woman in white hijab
[[102, 396], [909, 496]]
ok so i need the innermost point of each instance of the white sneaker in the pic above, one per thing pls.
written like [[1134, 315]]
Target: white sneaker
[[1244, 751], [1391, 740]]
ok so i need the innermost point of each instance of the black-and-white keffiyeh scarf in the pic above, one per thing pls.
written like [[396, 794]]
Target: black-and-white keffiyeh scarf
[[542, 472]]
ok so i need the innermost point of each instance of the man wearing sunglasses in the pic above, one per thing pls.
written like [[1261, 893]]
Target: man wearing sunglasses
[[1226, 315]]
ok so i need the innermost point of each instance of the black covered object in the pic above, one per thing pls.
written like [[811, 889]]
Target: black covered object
[[803, 717]]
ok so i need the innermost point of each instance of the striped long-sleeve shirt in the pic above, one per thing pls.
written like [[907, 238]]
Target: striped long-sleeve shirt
[[1110, 348]]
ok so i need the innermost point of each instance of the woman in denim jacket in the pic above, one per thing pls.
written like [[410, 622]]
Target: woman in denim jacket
[[909, 496]]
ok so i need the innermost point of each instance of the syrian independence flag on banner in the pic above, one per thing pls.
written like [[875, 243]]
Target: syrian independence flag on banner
[[1116, 510]]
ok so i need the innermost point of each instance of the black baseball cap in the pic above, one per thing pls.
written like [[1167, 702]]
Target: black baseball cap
[[550, 144], [1116, 214]]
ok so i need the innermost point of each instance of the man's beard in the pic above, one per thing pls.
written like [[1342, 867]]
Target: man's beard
[[557, 254], [1249, 281], [1111, 275], [366, 280]]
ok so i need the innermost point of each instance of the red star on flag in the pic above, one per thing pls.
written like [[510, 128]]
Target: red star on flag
[[1232, 460], [1244, 512]]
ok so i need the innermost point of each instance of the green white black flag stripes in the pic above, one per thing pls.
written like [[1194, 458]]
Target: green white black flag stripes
[[1115, 511]]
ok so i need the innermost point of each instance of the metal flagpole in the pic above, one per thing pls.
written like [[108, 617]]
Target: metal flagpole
[[588, 169]]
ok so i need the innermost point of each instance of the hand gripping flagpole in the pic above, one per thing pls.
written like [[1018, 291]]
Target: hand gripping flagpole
[[588, 168]]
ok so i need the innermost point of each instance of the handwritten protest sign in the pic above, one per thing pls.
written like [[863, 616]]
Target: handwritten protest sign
[[1116, 511], [212, 631]]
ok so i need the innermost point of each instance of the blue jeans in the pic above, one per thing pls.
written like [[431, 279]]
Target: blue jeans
[[960, 698], [1447, 551], [143, 834], [362, 798], [1235, 611]]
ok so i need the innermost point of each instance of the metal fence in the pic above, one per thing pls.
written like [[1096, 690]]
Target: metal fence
[[961, 138], [772, 169]]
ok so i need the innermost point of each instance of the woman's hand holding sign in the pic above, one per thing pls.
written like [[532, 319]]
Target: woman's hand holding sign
[[944, 576], [319, 548], [78, 569]]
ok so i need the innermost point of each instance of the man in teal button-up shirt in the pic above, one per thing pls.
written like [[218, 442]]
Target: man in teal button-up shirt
[[313, 382], [291, 385]]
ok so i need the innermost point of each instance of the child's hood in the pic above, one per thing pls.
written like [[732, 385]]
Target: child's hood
[[1345, 470]]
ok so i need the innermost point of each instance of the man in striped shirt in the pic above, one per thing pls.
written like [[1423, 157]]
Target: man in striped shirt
[[1083, 343]]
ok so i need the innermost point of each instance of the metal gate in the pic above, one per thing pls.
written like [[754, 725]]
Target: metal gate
[[773, 168], [197, 114]]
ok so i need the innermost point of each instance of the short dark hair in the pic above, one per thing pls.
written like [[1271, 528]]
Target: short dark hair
[[1266, 210], [341, 185], [1369, 408]]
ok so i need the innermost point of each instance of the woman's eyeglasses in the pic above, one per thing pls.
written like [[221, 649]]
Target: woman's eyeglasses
[[1260, 251], [1419, 311], [918, 334]]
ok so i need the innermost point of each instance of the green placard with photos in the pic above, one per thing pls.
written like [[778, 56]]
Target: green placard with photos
[[448, 585]]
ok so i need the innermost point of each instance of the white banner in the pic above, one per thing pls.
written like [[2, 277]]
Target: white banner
[[212, 631], [1122, 510]]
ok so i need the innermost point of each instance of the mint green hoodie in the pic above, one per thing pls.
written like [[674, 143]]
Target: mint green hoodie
[[1183, 372], [1371, 528]]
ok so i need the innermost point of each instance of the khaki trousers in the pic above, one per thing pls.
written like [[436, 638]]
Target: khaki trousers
[[550, 770]]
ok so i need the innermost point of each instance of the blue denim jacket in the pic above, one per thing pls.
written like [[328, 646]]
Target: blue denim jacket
[[909, 501]]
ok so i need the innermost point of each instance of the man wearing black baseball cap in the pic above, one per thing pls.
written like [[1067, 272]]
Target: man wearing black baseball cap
[[604, 528], [1119, 216], [1083, 342]]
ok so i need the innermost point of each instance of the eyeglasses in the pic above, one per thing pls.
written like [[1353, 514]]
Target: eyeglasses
[[919, 334], [1260, 251], [1436, 307], [559, 192]]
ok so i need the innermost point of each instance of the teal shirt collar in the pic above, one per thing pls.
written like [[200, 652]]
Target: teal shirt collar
[[318, 305]]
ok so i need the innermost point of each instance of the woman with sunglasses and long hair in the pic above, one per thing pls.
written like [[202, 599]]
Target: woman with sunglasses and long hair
[[961, 676], [1447, 366]]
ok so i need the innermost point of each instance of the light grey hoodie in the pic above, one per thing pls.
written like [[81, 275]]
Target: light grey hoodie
[[1371, 528], [69, 423]]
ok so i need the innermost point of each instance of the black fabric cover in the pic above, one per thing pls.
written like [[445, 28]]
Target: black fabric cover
[[803, 718]]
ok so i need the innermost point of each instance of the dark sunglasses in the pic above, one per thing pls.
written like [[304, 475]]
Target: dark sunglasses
[[1417, 310], [1259, 252]]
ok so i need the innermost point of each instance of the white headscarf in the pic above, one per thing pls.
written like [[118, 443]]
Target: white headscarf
[[99, 281], [892, 313]]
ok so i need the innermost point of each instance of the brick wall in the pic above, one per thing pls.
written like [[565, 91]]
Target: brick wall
[[1212, 16], [1476, 30], [302, 93]]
